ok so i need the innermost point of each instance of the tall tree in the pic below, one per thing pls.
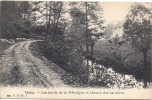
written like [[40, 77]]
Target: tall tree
[[12, 18], [0, 21], [89, 16], [24, 8], [9, 14], [95, 22], [138, 28], [94, 25]]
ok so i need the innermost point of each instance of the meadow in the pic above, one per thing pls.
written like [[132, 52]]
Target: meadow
[[123, 59]]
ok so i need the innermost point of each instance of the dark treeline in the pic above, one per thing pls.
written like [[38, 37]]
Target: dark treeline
[[13, 21]]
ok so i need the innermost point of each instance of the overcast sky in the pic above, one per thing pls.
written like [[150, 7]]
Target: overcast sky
[[114, 12]]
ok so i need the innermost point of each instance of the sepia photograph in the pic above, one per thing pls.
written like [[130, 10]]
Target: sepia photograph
[[75, 45]]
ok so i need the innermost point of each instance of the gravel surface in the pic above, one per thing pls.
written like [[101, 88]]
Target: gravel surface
[[20, 68]]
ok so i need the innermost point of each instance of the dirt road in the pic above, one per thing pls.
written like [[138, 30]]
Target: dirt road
[[18, 67]]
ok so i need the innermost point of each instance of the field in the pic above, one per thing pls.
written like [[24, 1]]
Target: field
[[123, 59], [102, 50]]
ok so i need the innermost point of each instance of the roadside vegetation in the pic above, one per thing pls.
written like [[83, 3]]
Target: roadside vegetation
[[4, 44]]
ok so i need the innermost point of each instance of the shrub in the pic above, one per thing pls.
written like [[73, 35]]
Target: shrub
[[67, 57]]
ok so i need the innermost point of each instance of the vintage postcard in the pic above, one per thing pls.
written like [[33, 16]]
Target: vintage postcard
[[75, 50]]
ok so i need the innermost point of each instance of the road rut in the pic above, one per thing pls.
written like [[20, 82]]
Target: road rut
[[19, 67]]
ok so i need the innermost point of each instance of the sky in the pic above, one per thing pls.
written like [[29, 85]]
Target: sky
[[117, 11], [114, 12]]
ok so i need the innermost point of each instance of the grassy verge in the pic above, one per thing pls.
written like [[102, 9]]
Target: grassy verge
[[102, 53], [124, 60], [6, 43], [3, 46], [68, 78]]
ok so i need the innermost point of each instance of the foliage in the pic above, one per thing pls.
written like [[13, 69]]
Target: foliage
[[108, 31], [137, 28], [126, 60], [67, 57], [12, 19], [116, 39], [94, 19], [67, 30], [107, 77]]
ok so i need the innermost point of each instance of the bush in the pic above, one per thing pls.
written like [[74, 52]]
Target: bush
[[67, 57], [118, 64]]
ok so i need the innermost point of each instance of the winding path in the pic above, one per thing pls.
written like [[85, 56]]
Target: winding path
[[20, 68]]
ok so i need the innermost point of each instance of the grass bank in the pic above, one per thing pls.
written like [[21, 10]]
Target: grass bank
[[68, 78]]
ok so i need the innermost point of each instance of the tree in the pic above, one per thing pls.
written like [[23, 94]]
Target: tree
[[138, 29], [108, 31], [116, 39], [24, 8], [53, 14], [89, 16], [0, 20], [94, 25], [9, 15], [14, 23]]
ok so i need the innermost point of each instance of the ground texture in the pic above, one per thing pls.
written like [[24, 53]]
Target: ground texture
[[20, 68]]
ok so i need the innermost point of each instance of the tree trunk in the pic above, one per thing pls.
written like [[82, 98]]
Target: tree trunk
[[145, 68], [23, 11], [92, 45], [47, 31], [92, 56], [56, 20], [87, 49], [87, 46]]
